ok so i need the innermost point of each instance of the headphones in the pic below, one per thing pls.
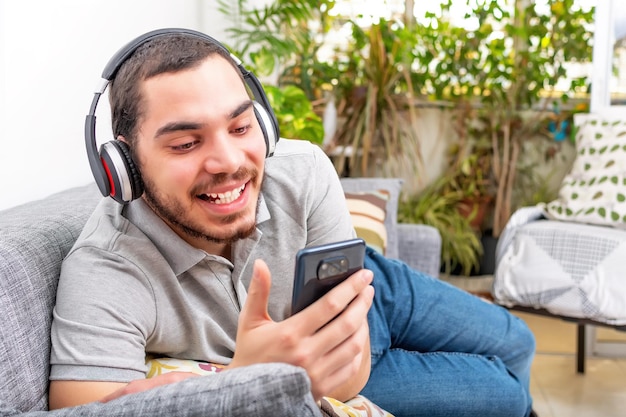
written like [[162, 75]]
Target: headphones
[[113, 168]]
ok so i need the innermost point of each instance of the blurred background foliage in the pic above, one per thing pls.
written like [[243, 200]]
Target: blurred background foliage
[[501, 70]]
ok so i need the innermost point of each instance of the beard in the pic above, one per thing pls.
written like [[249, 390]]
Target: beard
[[173, 212]]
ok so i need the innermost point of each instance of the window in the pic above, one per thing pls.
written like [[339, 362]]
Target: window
[[609, 56]]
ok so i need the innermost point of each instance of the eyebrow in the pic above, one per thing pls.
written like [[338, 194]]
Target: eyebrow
[[182, 126], [177, 127], [241, 108]]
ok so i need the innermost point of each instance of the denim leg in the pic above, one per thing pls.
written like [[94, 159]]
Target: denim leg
[[439, 351]]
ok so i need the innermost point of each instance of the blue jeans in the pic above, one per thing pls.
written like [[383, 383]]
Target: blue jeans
[[438, 351]]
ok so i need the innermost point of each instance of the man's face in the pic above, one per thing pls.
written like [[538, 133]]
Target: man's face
[[201, 153]]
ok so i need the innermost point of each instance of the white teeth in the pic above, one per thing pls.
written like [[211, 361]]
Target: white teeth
[[227, 197]]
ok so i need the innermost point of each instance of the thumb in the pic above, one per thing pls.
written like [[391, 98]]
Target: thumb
[[255, 307]]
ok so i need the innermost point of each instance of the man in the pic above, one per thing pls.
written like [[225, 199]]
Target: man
[[201, 266]]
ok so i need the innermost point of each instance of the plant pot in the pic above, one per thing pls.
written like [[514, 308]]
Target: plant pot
[[458, 271], [488, 261], [475, 208]]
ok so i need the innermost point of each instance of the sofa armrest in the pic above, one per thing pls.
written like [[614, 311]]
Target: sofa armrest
[[419, 246], [252, 391]]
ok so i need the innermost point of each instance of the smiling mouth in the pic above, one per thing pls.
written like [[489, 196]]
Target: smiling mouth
[[223, 198]]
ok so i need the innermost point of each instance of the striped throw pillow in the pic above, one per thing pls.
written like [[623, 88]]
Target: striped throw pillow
[[368, 212]]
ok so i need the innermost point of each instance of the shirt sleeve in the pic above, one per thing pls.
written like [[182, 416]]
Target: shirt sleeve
[[102, 319], [328, 215]]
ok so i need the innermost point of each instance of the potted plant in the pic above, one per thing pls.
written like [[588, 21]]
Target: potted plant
[[369, 79], [275, 40], [375, 104], [502, 68], [436, 205], [469, 172]]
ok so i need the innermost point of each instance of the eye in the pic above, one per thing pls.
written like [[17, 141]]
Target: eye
[[184, 146], [241, 130]]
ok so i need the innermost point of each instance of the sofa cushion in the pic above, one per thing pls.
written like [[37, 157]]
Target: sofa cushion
[[593, 190], [393, 186], [34, 239]]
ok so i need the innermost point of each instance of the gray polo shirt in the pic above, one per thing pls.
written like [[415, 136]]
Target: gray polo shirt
[[131, 286]]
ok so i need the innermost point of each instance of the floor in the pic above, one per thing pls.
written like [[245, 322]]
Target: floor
[[558, 391]]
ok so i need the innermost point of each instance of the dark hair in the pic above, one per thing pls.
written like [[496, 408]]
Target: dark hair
[[167, 53]]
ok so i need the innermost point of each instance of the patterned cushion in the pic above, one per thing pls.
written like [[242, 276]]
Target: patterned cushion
[[393, 186], [594, 191], [368, 211]]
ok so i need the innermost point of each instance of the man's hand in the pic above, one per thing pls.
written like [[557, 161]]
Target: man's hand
[[330, 338], [334, 352]]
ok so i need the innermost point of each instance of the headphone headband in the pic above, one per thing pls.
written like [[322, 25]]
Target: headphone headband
[[116, 174], [122, 55]]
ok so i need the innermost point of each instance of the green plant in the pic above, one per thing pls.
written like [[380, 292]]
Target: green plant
[[282, 38], [499, 72], [469, 178], [515, 55], [268, 39], [460, 245], [295, 114], [376, 103], [469, 169], [370, 78]]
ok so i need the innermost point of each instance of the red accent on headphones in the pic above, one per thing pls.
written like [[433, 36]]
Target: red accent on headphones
[[109, 176]]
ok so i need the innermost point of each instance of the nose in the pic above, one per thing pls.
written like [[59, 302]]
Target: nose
[[223, 155]]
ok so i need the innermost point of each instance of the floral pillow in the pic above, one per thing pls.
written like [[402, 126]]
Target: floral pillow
[[594, 191]]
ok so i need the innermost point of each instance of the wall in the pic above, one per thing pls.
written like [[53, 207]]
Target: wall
[[52, 53]]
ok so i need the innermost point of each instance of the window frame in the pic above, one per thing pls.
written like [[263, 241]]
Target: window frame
[[602, 60]]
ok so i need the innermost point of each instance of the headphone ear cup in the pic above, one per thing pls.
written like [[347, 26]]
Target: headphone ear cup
[[268, 127], [124, 178]]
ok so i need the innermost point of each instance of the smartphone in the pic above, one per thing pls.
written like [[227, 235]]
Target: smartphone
[[321, 268]]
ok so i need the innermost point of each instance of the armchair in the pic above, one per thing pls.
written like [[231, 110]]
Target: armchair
[[565, 258], [34, 239]]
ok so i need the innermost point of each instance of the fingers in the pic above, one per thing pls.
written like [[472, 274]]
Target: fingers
[[350, 320], [254, 310], [320, 313], [256, 331], [343, 345], [331, 357], [343, 363], [345, 335]]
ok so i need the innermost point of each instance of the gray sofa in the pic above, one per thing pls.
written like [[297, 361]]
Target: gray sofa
[[35, 237]]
